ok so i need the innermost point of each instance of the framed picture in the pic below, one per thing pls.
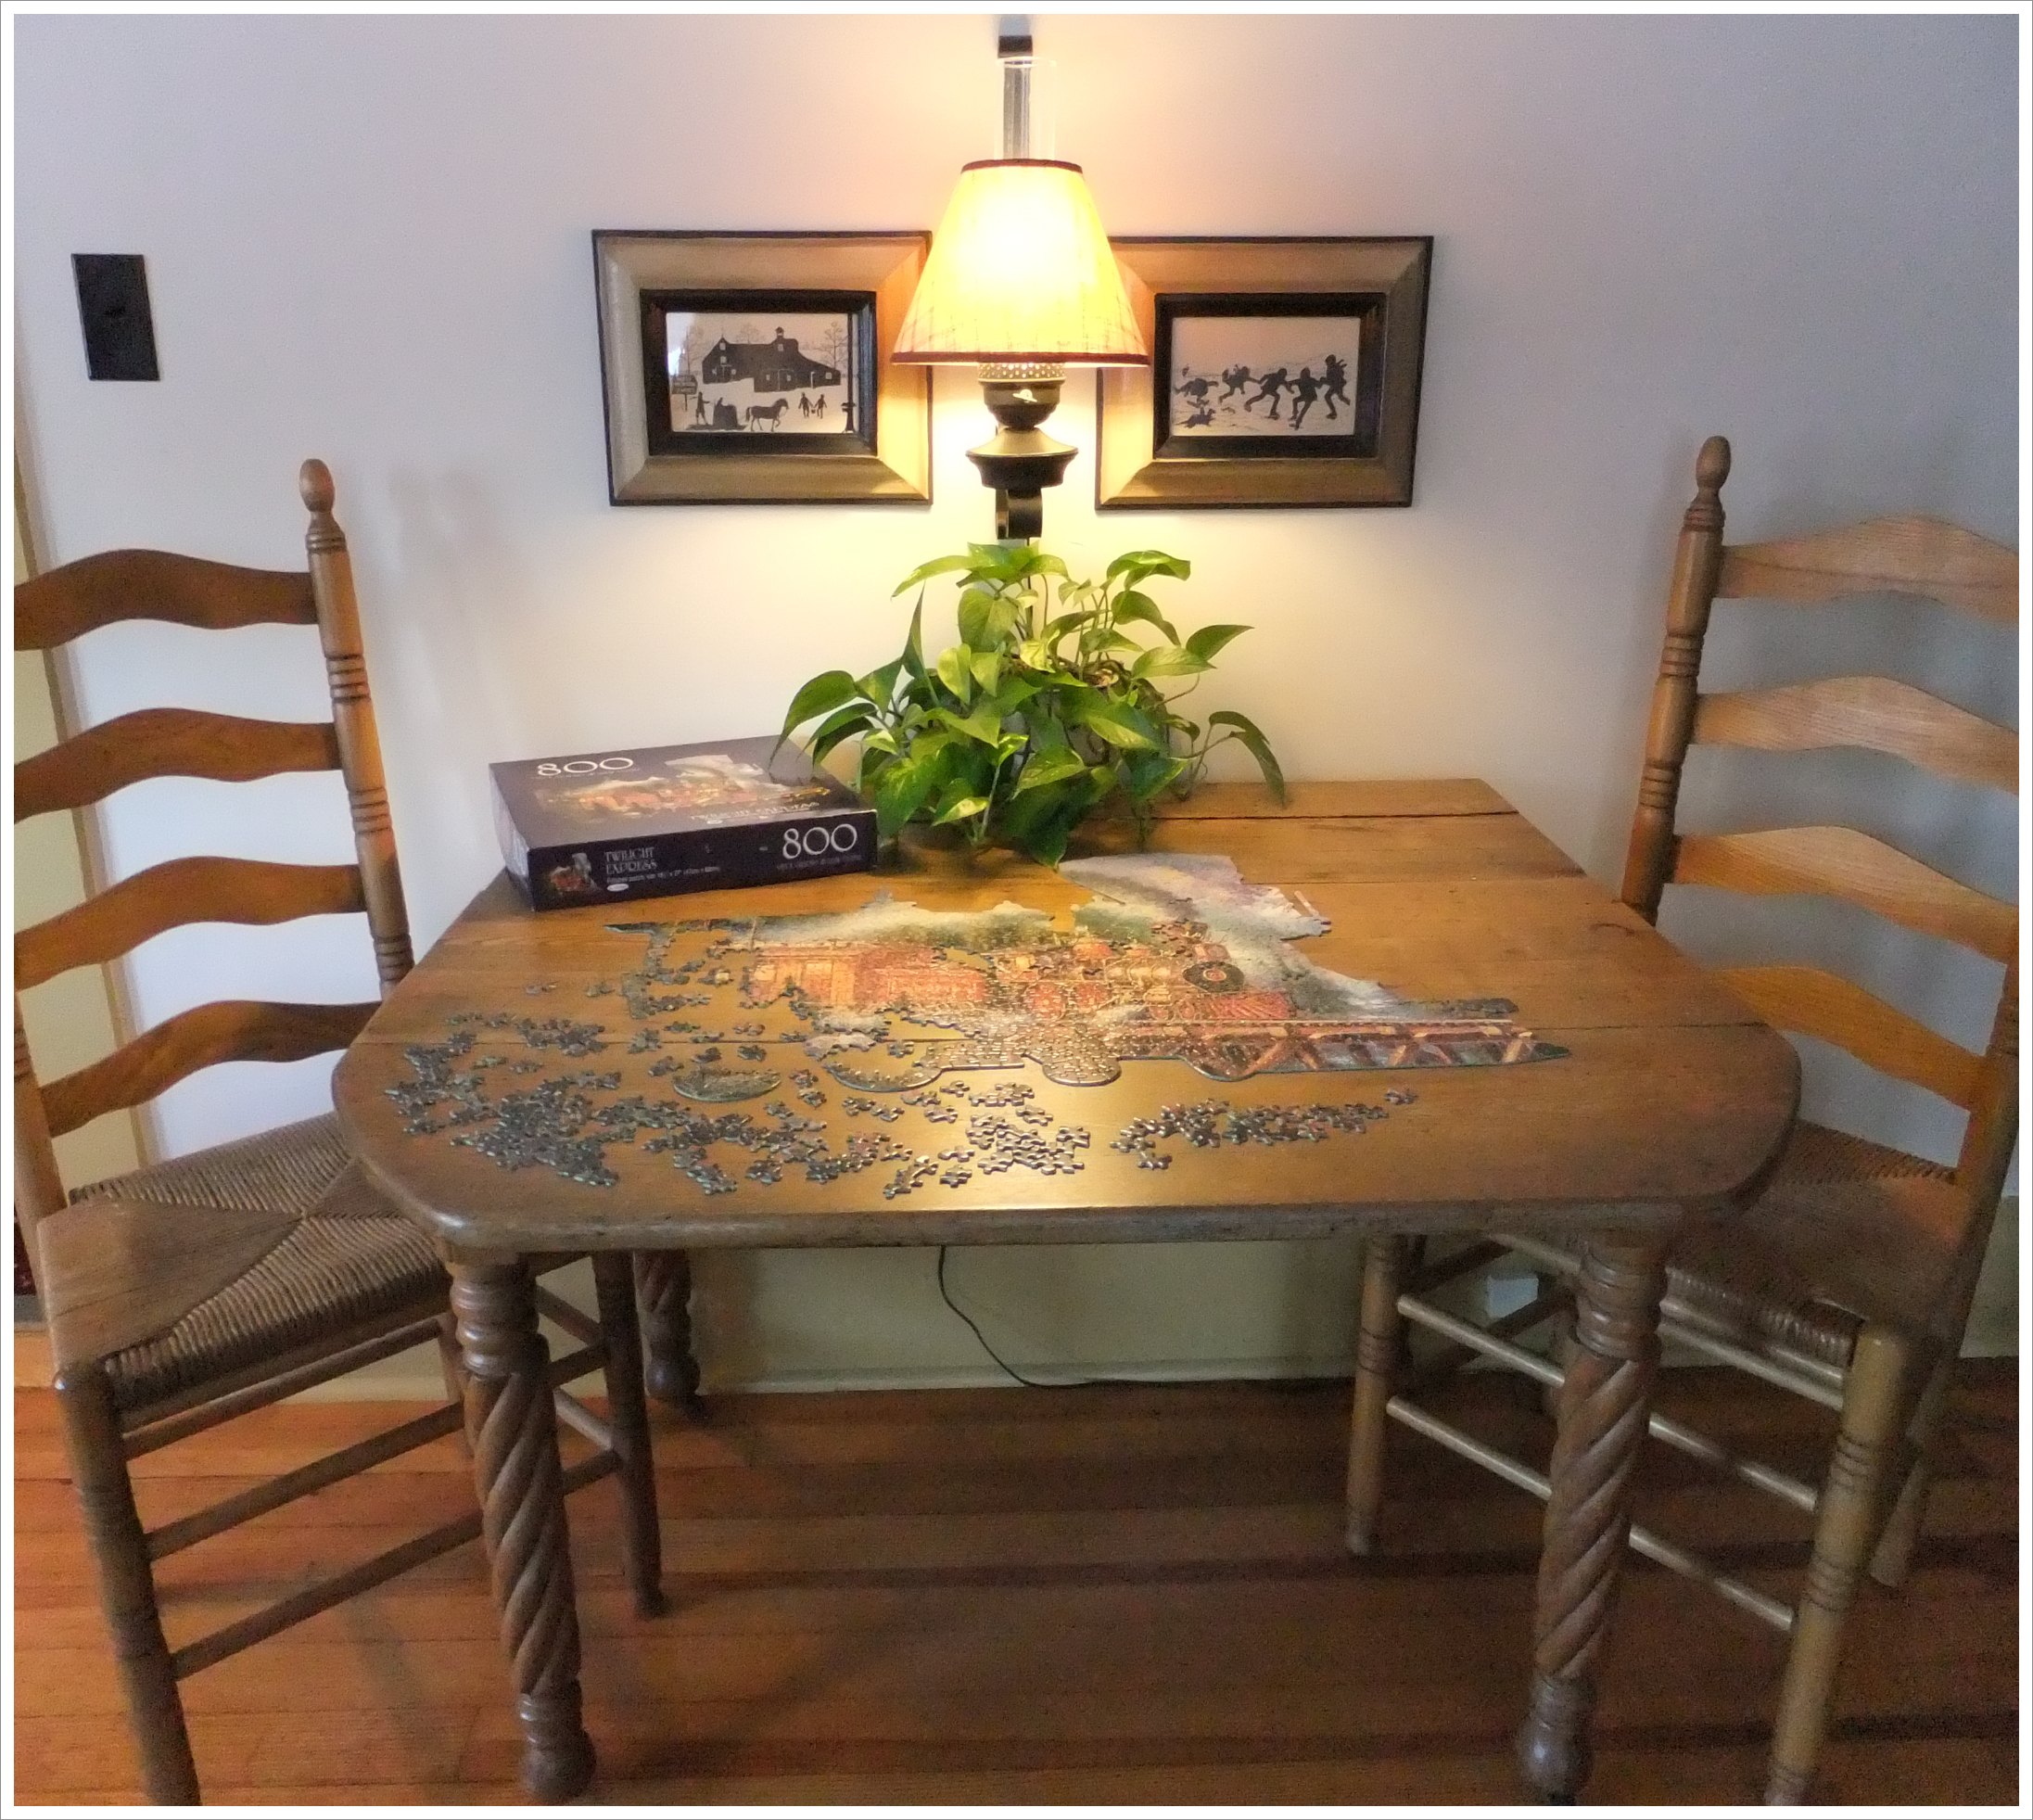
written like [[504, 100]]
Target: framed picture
[[754, 368], [1283, 372]]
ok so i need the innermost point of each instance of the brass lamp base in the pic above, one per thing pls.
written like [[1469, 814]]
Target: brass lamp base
[[1019, 461]]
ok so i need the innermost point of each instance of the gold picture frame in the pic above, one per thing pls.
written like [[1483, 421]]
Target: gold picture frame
[[1152, 451], [876, 446]]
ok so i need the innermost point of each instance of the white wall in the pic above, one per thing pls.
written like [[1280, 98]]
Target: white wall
[[367, 239]]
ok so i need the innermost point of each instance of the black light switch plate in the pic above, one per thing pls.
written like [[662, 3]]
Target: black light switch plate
[[120, 334]]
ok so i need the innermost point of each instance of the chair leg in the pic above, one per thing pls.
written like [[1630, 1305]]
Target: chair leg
[[1377, 1341], [1851, 1498], [127, 1585], [1901, 1532], [451, 1368], [663, 1283], [629, 1417]]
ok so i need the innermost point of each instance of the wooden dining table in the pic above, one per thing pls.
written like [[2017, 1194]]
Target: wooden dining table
[[536, 1086]]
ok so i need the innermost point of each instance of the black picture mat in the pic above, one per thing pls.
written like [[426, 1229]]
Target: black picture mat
[[1369, 307], [858, 307]]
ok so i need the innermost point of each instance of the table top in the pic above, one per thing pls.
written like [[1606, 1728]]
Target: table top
[[1480, 1037]]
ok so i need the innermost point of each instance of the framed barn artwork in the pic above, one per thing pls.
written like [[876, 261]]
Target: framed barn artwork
[[1283, 372], [754, 368]]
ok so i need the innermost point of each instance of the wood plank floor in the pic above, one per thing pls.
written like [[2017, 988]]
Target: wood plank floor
[[1077, 1596]]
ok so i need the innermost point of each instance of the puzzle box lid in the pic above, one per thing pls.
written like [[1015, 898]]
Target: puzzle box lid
[[665, 790]]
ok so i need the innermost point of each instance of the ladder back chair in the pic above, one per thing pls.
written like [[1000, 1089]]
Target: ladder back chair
[[199, 1288], [1850, 1281]]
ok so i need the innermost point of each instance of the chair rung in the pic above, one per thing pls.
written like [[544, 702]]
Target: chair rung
[[582, 1364], [230, 1639], [575, 1415], [1473, 1257], [1642, 1541], [560, 1313], [274, 1493], [1689, 1441]]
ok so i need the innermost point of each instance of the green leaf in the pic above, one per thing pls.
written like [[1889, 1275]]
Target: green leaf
[[959, 809], [956, 673], [1050, 766], [879, 685], [1041, 822], [1209, 640], [937, 566], [852, 718], [1120, 726], [905, 786], [983, 724], [1168, 660], [1001, 562], [1146, 774], [1149, 561], [913, 658], [1133, 606], [987, 668], [821, 695], [1057, 628], [1245, 729]]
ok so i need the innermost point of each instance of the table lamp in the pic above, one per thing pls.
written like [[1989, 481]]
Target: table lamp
[[1020, 281]]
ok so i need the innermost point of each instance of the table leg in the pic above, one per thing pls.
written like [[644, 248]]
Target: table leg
[[1605, 1404], [663, 1286], [511, 1427]]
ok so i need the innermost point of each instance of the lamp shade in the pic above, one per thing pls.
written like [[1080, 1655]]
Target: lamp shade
[[1020, 271]]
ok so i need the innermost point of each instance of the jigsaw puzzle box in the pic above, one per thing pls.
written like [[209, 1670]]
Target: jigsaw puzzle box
[[604, 827]]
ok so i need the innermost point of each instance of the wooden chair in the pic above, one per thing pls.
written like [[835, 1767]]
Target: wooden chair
[[198, 1290], [1850, 1280]]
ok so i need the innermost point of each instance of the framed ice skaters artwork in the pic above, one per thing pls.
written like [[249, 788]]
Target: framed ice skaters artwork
[[1283, 372], [754, 368]]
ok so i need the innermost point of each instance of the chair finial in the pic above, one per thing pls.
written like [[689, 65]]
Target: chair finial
[[314, 484], [1713, 464]]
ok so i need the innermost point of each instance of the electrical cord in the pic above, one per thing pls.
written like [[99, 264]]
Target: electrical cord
[[1032, 1383]]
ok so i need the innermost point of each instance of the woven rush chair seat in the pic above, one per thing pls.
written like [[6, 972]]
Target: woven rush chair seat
[[1770, 1281], [276, 1240]]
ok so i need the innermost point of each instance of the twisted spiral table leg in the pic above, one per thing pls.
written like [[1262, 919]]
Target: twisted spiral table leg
[[1605, 1404], [514, 1436], [663, 1287]]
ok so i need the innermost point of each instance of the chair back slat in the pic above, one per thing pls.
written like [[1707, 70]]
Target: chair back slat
[[226, 1030], [1925, 556], [168, 742], [66, 602], [179, 891], [1876, 713], [1810, 1002], [1841, 862]]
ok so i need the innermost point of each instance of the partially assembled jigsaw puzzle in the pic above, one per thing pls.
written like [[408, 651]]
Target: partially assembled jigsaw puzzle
[[1175, 958]]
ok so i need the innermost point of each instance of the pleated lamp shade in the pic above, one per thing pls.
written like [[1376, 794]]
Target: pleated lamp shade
[[1020, 271]]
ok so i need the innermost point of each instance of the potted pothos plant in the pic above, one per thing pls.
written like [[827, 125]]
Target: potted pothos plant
[[1060, 700]]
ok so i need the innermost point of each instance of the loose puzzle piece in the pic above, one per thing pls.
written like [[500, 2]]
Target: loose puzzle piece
[[1177, 958]]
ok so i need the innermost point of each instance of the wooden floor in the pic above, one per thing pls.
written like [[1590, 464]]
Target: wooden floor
[[1068, 1597]]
